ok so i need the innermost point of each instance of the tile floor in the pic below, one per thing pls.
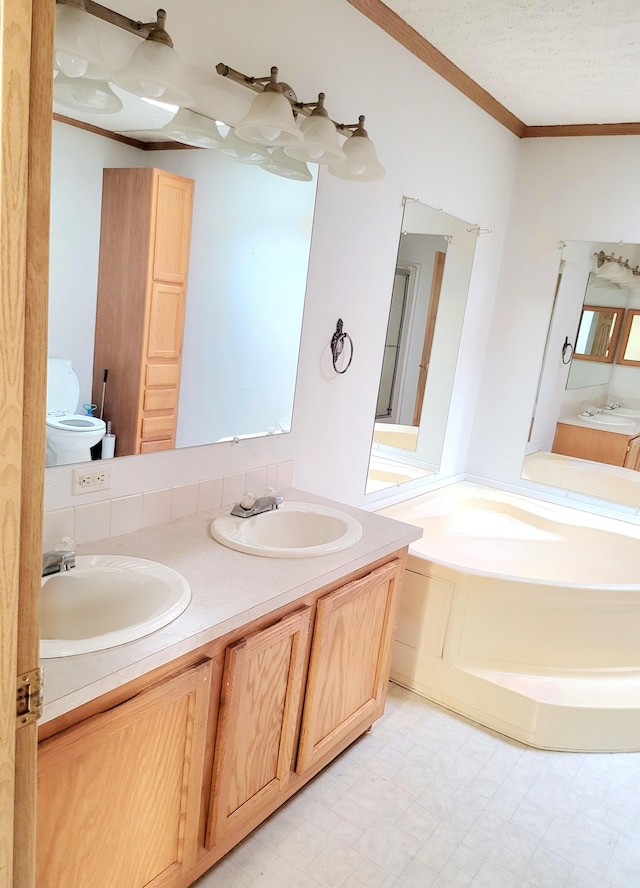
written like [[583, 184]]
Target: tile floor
[[427, 799]]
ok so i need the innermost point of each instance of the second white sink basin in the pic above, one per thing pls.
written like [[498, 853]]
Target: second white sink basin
[[609, 419], [294, 530], [105, 601]]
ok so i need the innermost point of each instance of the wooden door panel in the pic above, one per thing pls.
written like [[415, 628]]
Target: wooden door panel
[[348, 669], [166, 320], [259, 708], [143, 760], [173, 228]]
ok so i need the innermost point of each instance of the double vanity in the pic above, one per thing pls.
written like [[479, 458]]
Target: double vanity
[[605, 436], [158, 755]]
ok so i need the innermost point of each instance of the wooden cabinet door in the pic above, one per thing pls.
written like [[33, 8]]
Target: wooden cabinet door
[[349, 665], [174, 196], [632, 460], [119, 793], [257, 724], [166, 322]]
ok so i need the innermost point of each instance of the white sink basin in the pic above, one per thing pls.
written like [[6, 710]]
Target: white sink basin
[[107, 600], [294, 530], [627, 411], [609, 419]]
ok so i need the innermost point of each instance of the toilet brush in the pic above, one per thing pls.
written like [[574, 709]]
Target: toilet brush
[[104, 390]]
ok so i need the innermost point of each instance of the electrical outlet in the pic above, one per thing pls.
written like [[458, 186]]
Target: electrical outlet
[[85, 481]]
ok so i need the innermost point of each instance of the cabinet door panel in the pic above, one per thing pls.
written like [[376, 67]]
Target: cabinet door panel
[[349, 666], [259, 708], [173, 228], [166, 321], [119, 794]]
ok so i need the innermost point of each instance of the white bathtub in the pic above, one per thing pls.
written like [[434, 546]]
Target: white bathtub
[[595, 479], [524, 616], [394, 435]]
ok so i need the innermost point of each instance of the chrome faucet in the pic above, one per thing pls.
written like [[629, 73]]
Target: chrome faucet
[[249, 505], [57, 562], [613, 405]]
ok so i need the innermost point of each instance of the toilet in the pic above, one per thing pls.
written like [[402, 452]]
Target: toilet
[[70, 435]]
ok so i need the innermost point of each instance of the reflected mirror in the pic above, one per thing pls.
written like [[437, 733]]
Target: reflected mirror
[[585, 433], [246, 280], [630, 346], [426, 312]]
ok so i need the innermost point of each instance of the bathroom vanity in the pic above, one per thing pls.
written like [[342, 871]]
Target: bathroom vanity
[[615, 446], [158, 756]]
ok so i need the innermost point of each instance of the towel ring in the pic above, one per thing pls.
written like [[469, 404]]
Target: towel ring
[[337, 347], [567, 347]]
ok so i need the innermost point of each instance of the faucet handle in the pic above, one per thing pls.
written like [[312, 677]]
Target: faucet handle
[[247, 500]]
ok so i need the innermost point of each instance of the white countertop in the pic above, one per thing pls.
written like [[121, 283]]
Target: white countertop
[[629, 431], [229, 589]]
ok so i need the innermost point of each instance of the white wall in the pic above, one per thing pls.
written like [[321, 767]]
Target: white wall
[[566, 189], [436, 146]]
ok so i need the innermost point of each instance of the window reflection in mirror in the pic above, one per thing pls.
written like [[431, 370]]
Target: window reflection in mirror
[[426, 312], [586, 423], [598, 333], [630, 345], [247, 273]]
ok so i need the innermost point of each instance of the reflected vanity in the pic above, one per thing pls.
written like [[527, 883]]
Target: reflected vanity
[[426, 313], [247, 271], [585, 433]]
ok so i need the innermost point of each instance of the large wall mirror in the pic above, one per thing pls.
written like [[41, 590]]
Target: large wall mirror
[[428, 302], [585, 431], [250, 243]]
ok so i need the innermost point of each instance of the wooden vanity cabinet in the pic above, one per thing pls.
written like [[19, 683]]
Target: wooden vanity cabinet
[[154, 791], [119, 793], [142, 279], [597, 445]]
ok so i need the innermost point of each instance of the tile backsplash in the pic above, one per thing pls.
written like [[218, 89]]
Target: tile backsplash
[[89, 522]]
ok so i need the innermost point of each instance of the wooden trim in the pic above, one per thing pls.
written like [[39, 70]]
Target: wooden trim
[[118, 137], [408, 37], [33, 438], [581, 129], [630, 315]]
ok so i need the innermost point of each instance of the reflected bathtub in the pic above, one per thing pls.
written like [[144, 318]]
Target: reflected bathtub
[[595, 479], [395, 435], [523, 616]]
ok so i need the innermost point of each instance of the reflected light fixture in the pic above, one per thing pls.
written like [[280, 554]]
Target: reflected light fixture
[[191, 128], [269, 123], [154, 69], [243, 152], [85, 94], [280, 164]]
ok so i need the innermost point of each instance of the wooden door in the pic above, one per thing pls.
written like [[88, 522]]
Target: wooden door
[[425, 360], [26, 90], [119, 793], [349, 665], [257, 727]]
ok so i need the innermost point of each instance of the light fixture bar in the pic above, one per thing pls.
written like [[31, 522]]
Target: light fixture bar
[[257, 84], [140, 29]]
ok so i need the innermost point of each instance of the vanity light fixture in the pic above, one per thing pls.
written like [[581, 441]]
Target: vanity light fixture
[[271, 121], [154, 69], [280, 164], [617, 271], [191, 128], [85, 94]]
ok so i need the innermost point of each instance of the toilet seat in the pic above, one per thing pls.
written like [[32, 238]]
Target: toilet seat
[[75, 422]]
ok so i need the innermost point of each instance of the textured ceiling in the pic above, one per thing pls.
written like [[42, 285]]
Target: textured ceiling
[[547, 61]]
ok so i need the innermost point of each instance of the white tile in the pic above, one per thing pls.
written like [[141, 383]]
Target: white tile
[[418, 874], [296, 852], [490, 875], [256, 480], [282, 874], [312, 836], [388, 846], [224, 874], [91, 522], [548, 870], [450, 877], [57, 525], [156, 507], [272, 477], [252, 857], [233, 486], [334, 866], [126, 514], [284, 475], [379, 796], [209, 494], [184, 501]]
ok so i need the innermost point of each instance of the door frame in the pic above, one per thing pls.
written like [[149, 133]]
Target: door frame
[[25, 96]]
